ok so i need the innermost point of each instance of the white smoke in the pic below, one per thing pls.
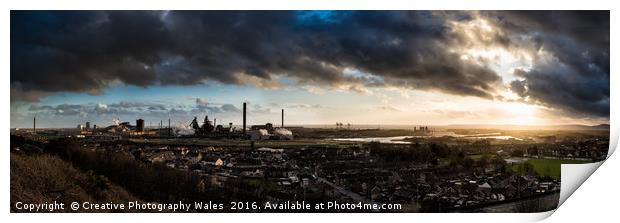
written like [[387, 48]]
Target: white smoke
[[283, 133], [182, 129], [263, 132], [259, 134], [116, 121]]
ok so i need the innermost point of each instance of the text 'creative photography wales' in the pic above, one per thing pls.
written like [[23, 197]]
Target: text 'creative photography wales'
[[304, 111]]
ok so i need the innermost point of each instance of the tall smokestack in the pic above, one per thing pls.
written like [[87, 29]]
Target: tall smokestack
[[169, 129], [282, 126], [244, 107], [215, 122], [34, 124]]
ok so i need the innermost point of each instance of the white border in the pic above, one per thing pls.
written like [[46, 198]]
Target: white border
[[582, 206]]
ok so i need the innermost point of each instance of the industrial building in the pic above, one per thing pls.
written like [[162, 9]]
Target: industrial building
[[422, 131], [206, 128], [267, 131], [140, 125]]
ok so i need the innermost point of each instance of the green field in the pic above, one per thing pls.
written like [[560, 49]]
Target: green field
[[548, 167], [478, 156]]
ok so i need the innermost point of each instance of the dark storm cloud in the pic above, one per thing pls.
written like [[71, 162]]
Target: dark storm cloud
[[87, 51], [578, 95], [575, 76], [586, 27], [83, 51]]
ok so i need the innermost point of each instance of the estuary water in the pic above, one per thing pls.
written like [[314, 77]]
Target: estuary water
[[399, 139]]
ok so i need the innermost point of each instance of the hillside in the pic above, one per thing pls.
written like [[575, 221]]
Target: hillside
[[46, 178]]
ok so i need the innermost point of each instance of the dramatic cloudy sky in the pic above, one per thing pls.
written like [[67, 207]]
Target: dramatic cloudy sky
[[360, 67]]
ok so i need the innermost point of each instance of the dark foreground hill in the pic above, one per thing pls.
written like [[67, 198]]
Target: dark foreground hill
[[40, 178]]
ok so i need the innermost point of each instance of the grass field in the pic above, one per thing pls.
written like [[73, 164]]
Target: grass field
[[548, 167], [478, 156]]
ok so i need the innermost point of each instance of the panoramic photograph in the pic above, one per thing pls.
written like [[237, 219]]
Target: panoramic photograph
[[304, 111]]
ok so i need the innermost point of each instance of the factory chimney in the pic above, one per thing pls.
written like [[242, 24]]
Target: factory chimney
[[34, 125], [140, 125], [282, 126], [244, 110], [169, 129]]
